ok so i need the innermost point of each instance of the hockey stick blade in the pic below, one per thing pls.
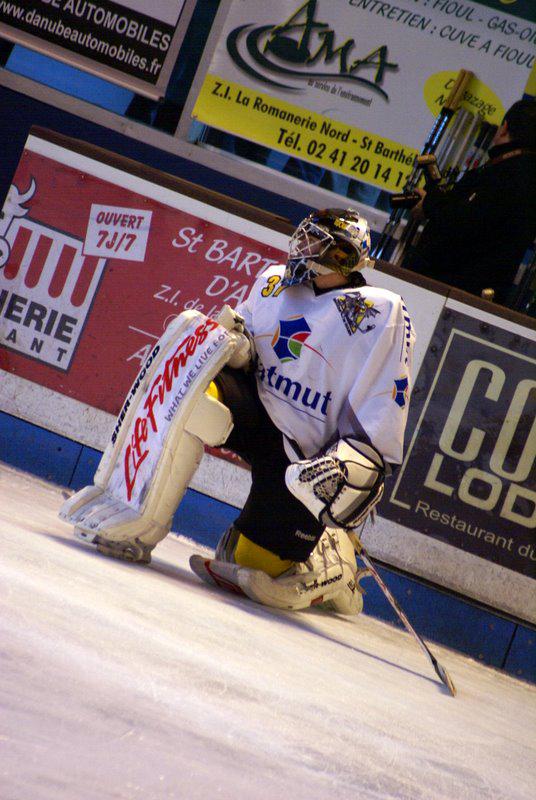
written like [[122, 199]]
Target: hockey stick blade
[[442, 673], [439, 669]]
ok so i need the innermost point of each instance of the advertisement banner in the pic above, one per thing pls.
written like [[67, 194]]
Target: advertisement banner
[[355, 85], [95, 263], [125, 38], [468, 477]]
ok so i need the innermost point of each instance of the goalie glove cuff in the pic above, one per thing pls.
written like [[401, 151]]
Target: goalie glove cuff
[[245, 347], [342, 486]]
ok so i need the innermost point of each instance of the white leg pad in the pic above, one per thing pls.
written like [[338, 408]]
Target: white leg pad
[[158, 441]]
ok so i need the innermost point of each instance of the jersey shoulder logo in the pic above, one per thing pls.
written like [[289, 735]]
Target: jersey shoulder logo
[[356, 312], [400, 391], [289, 338]]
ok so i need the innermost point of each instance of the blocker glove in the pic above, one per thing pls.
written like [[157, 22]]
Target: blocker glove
[[342, 486]]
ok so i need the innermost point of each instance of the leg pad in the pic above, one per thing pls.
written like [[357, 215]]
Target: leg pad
[[158, 441]]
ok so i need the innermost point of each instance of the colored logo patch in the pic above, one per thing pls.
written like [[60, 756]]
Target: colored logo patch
[[289, 338], [355, 311], [400, 392]]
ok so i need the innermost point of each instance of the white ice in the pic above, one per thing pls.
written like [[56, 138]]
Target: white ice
[[121, 682]]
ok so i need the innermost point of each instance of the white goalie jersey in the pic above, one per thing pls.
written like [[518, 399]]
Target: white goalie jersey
[[331, 364]]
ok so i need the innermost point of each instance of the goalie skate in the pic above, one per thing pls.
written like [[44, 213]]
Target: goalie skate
[[134, 551], [329, 578]]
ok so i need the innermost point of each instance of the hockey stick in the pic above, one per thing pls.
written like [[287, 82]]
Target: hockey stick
[[440, 670]]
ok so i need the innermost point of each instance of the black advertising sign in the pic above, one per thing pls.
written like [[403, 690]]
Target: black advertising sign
[[469, 477], [124, 38]]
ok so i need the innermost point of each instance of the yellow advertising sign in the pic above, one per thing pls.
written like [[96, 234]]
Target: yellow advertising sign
[[279, 125], [478, 98]]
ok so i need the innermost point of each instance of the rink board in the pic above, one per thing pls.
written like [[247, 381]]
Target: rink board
[[460, 511]]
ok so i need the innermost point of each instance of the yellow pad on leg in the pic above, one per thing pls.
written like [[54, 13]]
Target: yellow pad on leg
[[214, 392], [249, 554]]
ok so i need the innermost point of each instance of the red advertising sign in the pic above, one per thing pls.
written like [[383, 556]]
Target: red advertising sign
[[95, 263]]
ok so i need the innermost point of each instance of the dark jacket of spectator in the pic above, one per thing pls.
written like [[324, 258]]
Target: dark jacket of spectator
[[478, 232]]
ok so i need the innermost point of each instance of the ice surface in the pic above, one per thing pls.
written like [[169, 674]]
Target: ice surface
[[120, 682]]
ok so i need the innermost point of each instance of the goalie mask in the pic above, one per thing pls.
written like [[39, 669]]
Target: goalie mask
[[331, 240]]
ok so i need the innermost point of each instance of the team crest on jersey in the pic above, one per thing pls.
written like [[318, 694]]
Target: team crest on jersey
[[400, 392], [290, 337], [356, 312]]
